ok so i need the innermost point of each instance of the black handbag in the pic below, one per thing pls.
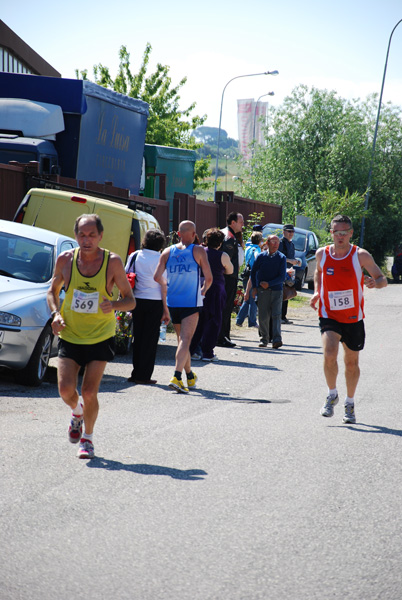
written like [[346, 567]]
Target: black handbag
[[246, 273]]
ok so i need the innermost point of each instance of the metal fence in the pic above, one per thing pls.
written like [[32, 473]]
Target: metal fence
[[16, 179], [13, 184], [213, 214]]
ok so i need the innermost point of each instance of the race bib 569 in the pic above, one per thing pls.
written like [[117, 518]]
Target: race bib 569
[[85, 303]]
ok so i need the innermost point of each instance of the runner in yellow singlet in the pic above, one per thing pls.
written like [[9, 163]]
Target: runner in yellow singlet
[[85, 323]]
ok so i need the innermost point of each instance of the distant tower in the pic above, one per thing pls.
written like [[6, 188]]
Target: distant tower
[[249, 115]]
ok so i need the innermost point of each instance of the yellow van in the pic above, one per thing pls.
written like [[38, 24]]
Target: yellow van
[[57, 211]]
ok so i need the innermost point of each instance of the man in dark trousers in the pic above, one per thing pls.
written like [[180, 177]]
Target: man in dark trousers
[[267, 277], [233, 247], [287, 248]]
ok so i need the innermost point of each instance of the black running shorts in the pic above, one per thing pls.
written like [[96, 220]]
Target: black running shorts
[[83, 354], [177, 314], [352, 334]]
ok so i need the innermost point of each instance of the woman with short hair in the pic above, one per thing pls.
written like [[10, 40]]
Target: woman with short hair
[[210, 321]]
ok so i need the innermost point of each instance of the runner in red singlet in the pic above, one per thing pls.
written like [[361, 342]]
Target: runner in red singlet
[[338, 286]]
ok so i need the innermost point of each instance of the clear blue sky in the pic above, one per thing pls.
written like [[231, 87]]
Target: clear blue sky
[[339, 45]]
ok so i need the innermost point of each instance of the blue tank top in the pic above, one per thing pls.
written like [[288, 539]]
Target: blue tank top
[[183, 278]]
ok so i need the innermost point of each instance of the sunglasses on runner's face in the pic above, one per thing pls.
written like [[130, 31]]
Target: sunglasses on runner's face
[[342, 233]]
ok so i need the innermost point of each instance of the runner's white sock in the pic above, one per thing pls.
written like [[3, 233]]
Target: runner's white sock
[[333, 393], [88, 436], [78, 410], [349, 400]]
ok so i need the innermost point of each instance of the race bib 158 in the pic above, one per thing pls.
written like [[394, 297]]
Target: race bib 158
[[341, 300]]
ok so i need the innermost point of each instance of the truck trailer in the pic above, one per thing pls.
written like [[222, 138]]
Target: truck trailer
[[74, 128]]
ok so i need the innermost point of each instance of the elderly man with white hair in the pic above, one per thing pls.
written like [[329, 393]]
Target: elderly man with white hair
[[267, 277]]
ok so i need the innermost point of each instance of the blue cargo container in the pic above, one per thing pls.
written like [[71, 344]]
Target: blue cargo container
[[103, 134]]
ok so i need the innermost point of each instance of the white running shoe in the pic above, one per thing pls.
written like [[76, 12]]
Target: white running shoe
[[328, 408], [349, 416]]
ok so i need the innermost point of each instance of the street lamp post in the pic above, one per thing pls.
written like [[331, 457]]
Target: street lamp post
[[254, 140], [255, 111], [375, 139], [237, 178], [220, 117]]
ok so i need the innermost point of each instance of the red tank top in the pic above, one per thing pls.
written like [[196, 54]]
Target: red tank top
[[341, 296]]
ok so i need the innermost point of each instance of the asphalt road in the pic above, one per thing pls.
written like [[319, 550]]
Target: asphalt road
[[237, 491]]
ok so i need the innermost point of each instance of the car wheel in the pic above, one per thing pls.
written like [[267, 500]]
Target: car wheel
[[310, 285], [34, 373]]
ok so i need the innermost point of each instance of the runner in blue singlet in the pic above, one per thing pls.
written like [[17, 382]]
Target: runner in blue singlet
[[183, 263]]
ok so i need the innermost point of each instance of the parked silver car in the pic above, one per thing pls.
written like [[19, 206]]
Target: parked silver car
[[306, 245], [27, 258]]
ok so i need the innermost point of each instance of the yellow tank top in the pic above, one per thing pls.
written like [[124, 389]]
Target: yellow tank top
[[85, 321]]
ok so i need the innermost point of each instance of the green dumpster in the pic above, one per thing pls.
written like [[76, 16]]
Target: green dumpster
[[178, 166]]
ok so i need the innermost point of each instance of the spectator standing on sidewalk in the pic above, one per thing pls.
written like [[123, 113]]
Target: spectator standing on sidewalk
[[287, 248], [338, 287], [249, 306], [210, 320], [267, 277], [233, 247], [183, 263], [396, 268]]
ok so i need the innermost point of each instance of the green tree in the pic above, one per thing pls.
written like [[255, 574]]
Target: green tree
[[317, 154], [202, 173], [253, 218], [168, 124], [331, 204], [208, 137]]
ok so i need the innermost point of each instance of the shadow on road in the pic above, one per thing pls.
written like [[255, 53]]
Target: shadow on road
[[374, 429], [196, 365], [113, 465], [229, 398], [299, 323]]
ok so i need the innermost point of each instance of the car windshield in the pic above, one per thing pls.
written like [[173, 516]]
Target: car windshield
[[299, 238], [23, 258], [269, 230]]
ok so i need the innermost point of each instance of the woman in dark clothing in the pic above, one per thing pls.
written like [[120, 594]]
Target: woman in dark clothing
[[209, 324]]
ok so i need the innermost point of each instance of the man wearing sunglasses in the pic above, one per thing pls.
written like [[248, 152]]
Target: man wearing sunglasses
[[338, 286]]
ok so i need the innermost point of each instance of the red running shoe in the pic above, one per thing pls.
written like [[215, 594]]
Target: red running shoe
[[75, 429], [86, 449]]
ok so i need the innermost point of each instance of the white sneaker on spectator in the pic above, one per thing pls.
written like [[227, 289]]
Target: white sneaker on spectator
[[213, 359]]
